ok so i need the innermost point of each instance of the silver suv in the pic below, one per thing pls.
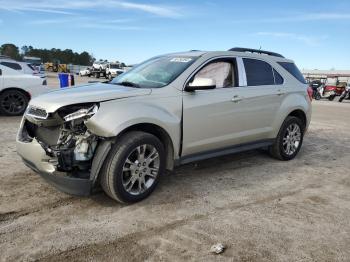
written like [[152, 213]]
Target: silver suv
[[170, 110]]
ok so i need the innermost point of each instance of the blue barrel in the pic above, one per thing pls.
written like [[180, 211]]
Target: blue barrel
[[63, 77]]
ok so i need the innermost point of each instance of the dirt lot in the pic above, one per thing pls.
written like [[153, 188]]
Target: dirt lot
[[261, 208]]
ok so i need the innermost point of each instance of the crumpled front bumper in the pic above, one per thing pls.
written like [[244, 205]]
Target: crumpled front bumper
[[35, 157]]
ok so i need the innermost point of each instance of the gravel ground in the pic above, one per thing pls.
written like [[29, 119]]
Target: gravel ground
[[260, 208]]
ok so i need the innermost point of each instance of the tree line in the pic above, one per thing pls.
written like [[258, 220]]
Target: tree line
[[66, 56]]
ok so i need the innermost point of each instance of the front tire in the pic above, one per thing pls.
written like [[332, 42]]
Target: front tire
[[289, 139], [13, 102], [133, 167]]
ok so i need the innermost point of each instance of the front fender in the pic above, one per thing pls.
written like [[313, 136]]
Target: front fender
[[115, 116]]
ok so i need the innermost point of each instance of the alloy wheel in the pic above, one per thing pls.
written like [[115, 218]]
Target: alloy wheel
[[291, 139], [140, 169], [13, 103]]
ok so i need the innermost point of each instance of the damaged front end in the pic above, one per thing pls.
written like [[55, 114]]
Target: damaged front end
[[60, 147]]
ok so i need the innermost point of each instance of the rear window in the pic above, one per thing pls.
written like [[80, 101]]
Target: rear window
[[293, 70], [258, 72], [14, 66]]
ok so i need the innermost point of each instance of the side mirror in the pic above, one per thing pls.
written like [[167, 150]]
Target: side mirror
[[200, 83], [0, 72]]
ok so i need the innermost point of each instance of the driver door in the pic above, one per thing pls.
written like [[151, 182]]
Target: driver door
[[208, 117]]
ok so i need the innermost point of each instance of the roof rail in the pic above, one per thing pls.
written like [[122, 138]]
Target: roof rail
[[242, 49]]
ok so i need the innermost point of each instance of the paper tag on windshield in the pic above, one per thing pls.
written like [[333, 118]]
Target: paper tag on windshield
[[181, 59]]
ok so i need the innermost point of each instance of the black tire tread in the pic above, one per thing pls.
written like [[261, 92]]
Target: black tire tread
[[107, 178], [2, 112], [275, 150]]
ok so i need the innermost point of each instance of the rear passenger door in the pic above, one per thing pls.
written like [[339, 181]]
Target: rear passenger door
[[259, 97]]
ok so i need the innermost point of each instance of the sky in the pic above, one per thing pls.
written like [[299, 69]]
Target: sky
[[314, 33]]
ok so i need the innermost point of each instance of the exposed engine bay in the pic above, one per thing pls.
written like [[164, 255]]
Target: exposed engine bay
[[64, 136]]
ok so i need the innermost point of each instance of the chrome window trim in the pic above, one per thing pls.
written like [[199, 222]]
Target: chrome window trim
[[242, 77]]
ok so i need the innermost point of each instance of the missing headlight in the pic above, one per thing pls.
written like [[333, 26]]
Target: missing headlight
[[69, 109], [82, 113], [74, 144]]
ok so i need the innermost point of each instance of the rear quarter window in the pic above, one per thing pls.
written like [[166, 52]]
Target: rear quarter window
[[293, 70]]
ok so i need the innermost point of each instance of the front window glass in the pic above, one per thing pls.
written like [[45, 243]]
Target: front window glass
[[155, 73], [220, 72]]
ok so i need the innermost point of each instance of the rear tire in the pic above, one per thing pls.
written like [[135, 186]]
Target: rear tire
[[289, 139], [13, 102], [133, 167]]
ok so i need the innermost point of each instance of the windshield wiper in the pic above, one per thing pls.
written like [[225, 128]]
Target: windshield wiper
[[127, 83]]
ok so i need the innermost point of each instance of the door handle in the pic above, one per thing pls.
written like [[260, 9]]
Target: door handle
[[236, 98]]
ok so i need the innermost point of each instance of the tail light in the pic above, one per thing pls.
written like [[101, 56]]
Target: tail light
[[310, 92]]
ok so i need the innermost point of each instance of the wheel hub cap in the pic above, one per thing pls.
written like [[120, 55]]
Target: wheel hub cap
[[140, 169], [291, 139]]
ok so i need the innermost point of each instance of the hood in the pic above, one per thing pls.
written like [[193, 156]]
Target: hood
[[96, 92]]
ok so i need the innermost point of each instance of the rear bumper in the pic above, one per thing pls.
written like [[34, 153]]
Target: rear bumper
[[35, 157]]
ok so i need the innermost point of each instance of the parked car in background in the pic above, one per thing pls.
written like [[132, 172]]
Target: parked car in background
[[17, 88], [85, 72], [170, 110], [22, 67]]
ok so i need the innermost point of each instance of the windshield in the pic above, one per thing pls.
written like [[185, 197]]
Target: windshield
[[156, 72]]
